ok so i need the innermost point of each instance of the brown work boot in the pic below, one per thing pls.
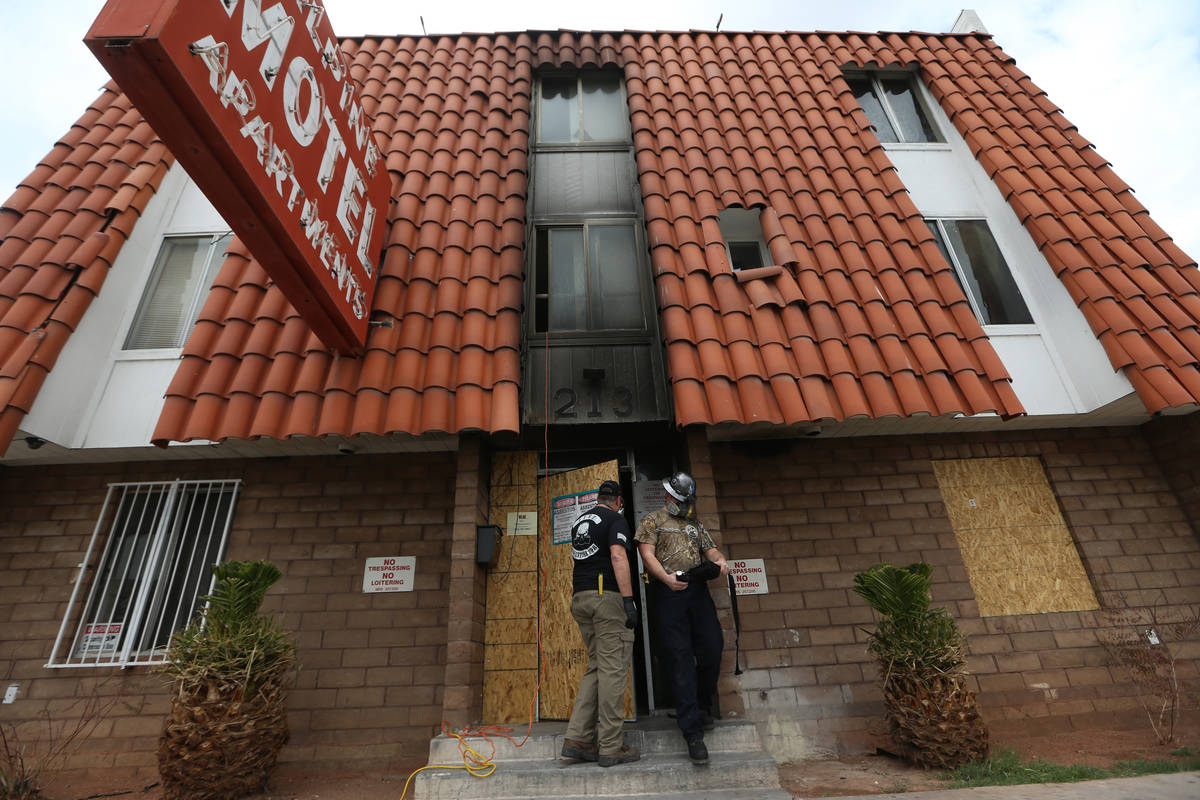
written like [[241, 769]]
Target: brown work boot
[[581, 751], [626, 754]]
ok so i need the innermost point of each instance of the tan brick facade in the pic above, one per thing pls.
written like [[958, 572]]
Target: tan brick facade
[[372, 666], [380, 672], [820, 511]]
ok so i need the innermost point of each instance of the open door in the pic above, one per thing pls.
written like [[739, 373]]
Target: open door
[[563, 652]]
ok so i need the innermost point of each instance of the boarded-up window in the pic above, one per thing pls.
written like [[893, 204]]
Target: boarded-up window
[[1019, 554]]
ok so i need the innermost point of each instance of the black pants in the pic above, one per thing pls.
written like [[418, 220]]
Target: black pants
[[691, 642]]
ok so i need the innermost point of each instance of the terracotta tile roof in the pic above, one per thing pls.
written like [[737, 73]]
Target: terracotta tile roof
[[59, 234], [861, 317], [455, 114], [864, 318]]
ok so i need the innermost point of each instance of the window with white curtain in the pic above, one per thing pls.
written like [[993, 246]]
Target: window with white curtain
[[183, 272], [894, 107], [153, 550], [588, 106]]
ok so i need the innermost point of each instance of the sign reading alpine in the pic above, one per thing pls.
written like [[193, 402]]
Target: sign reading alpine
[[255, 99]]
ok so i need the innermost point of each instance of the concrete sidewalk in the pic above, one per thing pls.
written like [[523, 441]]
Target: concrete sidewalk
[[1173, 786]]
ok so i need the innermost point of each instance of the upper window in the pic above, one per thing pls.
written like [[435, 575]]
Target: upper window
[[586, 278], [161, 544], [893, 105], [741, 228], [185, 268], [585, 107], [981, 270]]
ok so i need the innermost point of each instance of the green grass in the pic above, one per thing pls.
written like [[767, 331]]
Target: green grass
[[899, 787], [1005, 768]]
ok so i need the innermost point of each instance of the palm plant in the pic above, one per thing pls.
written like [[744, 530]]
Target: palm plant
[[229, 671], [932, 715]]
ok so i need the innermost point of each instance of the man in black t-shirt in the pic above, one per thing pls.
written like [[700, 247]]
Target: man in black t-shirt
[[604, 608]]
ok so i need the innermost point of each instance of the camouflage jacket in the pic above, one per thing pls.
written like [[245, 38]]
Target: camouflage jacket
[[678, 543]]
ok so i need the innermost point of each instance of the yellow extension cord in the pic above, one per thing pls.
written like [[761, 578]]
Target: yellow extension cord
[[474, 762]]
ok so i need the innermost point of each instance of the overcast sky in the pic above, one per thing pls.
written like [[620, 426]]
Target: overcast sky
[[1127, 74]]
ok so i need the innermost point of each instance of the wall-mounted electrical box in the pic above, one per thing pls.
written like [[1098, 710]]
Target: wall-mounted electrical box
[[487, 544]]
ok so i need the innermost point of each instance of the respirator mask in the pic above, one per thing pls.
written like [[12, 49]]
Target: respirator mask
[[681, 495]]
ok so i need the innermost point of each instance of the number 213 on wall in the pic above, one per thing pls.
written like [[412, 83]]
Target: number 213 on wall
[[567, 400]]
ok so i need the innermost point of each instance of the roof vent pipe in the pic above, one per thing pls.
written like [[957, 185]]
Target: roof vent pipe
[[968, 22]]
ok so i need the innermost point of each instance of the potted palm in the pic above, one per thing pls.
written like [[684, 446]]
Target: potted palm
[[932, 716], [229, 672]]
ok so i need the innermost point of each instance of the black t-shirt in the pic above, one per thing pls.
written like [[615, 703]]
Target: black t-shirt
[[594, 533]]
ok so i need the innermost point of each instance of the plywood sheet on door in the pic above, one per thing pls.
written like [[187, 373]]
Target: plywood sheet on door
[[1016, 546], [564, 655]]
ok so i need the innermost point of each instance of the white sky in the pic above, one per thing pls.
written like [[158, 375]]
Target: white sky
[[1127, 74]]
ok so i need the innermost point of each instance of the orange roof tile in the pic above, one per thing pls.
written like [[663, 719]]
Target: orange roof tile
[[60, 232], [860, 317]]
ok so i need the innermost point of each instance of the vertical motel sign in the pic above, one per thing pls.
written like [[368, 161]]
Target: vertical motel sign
[[255, 99]]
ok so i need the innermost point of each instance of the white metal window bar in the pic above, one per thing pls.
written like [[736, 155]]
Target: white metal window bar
[[156, 565]]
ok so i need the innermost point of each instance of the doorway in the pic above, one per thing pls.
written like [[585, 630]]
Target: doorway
[[529, 589]]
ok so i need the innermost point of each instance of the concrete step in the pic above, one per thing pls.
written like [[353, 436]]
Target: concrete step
[[652, 737], [701, 794], [749, 773]]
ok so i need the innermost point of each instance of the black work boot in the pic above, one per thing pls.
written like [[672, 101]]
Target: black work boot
[[697, 751]]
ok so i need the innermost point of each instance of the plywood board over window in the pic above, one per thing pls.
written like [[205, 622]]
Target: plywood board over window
[[1018, 551], [510, 668]]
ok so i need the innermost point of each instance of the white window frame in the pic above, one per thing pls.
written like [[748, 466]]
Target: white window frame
[[952, 257], [920, 96], [217, 241], [148, 597]]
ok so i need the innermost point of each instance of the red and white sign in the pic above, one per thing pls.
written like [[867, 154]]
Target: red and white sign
[[99, 638], [749, 576], [390, 574], [255, 99]]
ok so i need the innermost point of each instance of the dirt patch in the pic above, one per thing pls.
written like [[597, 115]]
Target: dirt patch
[[849, 775], [880, 774]]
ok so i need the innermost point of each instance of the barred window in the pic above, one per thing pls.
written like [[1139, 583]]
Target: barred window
[[159, 542]]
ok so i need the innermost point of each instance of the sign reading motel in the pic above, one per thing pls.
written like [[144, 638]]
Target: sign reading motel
[[255, 99]]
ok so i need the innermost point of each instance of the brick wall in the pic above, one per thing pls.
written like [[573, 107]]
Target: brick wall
[[372, 666], [1176, 443], [463, 702], [820, 511]]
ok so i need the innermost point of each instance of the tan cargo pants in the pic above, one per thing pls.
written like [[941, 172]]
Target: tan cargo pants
[[597, 712]]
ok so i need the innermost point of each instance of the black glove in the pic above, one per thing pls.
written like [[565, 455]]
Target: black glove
[[704, 571], [630, 612]]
